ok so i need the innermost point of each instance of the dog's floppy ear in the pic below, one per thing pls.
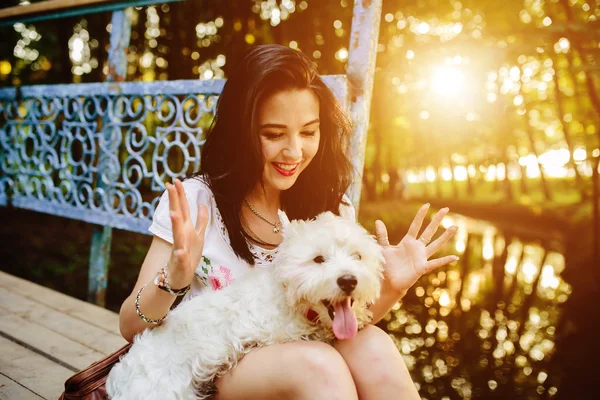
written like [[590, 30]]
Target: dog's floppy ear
[[285, 221]]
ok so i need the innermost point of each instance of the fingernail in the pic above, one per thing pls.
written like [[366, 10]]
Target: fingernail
[[456, 258], [445, 209]]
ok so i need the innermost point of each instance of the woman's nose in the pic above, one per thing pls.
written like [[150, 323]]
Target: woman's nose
[[293, 148]]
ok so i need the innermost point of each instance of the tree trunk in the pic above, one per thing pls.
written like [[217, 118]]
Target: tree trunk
[[523, 180], [470, 188], [596, 217], [507, 185], [589, 79], [567, 134], [65, 30], [531, 137], [453, 180]]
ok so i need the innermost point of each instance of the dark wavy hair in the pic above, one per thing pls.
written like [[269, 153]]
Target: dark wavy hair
[[232, 161]]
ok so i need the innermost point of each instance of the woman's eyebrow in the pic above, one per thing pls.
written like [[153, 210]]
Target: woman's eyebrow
[[314, 121]]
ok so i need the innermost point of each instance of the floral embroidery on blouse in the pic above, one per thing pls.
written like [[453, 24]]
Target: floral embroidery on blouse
[[218, 278]]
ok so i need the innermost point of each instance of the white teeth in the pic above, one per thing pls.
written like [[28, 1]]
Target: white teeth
[[286, 167]]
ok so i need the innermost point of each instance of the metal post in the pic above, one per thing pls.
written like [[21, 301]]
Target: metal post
[[360, 72], [102, 235]]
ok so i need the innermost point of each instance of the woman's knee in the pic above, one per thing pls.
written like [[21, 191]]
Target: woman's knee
[[298, 370], [371, 340], [377, 366], [372, 352], [320, 372]]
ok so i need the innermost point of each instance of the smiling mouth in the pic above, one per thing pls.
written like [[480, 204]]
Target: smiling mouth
[[285, 169]]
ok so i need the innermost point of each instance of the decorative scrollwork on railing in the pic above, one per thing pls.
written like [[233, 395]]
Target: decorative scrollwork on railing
[[97, 151], [101, 152]]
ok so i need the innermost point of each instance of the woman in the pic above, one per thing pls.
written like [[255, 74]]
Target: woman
[[278, 141]]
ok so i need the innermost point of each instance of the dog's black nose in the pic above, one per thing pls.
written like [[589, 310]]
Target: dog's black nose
[[347, 283]]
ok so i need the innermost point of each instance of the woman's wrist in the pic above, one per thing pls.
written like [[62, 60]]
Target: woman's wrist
[[389, 296], [176, 279], [392, 290], [162, 281]]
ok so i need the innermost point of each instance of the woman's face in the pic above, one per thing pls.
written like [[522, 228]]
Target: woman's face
[[289, 135]]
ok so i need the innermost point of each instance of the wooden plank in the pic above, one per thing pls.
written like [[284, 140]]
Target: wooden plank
[[53, 9], [10, 389], [46, 6], [31, 370], [92, 314], [46, 341], [72, 328]]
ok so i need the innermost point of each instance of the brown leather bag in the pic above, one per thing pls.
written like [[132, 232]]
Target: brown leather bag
[[89, 384]]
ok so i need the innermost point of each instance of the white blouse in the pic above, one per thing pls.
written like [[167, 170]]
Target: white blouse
[[219, 265]]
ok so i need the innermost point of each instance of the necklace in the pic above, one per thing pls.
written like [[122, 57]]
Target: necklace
[[275, 225]]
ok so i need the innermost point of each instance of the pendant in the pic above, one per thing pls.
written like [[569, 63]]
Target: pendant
[[275, 229]]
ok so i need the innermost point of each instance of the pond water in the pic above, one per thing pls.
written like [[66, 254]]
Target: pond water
[[484, 327]]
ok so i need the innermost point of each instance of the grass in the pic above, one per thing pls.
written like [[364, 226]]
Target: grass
[[563, 191]]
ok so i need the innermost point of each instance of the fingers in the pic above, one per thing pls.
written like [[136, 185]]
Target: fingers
[[201, 220], [415, 226], [439, 262], [433, 226], [440, 241], [174, 204], [381, 233], [185, 209], [176, 217]]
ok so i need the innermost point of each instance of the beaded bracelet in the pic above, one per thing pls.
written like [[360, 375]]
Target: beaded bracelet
[[139, 312]]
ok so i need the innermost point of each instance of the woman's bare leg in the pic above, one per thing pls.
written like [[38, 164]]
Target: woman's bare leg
[[294, 371], [378, 370]]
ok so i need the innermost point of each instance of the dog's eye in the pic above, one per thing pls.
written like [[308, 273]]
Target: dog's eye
[[357, 256], [319, 259]]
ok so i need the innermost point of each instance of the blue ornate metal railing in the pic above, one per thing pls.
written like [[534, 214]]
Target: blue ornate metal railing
[[101, 152]]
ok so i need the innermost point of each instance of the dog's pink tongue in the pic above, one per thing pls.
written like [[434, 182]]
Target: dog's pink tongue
[[345, 325]]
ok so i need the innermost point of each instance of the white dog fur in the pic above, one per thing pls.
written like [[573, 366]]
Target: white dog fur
[[205, 337]]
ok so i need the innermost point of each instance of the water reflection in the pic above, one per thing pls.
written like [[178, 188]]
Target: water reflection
[[485, 326]]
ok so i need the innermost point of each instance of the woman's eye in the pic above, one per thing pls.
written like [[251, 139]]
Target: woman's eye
[[319, 259], [309, 133], [273, 135]]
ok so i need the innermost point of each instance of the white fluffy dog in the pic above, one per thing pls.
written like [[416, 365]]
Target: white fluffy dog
[[327, 273]]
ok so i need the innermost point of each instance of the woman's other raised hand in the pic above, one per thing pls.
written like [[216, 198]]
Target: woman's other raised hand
[[407, 261], [188, 240]]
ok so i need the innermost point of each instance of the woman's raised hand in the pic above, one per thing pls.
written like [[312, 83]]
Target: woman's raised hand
[[409, 260], [188, 240]]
